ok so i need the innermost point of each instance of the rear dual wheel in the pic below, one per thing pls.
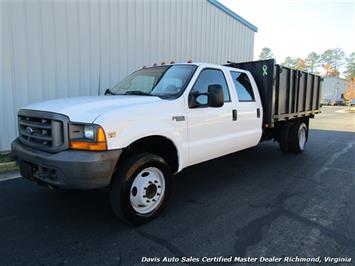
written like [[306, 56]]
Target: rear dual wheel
[[293, 137], [298, 137]]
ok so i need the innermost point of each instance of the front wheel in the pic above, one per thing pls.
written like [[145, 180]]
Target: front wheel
[[140, 188]]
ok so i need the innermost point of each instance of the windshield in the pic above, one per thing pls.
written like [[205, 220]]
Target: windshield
[[162, 81]]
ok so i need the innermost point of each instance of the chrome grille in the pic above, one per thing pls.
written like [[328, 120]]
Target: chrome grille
[[43, 130]]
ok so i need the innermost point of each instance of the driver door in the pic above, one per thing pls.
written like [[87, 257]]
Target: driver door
[[210, 130]]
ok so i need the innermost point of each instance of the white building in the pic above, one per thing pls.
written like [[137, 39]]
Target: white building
[[51, 49], [333, 89]]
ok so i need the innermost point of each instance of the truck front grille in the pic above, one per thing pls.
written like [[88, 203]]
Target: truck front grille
[[43, 130]]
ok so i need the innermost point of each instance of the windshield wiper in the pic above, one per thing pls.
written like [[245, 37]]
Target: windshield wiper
[[138, 93], [109, 92]]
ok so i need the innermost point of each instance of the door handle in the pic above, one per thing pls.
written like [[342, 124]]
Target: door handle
[[257, 112], [234, 115]]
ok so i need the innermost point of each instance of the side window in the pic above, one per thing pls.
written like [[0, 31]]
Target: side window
[[243, 87], [210, 77]]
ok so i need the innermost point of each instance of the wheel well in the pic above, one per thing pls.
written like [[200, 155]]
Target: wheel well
[[158, 145]]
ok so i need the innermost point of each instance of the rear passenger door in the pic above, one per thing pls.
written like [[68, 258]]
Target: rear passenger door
[[249, 111]]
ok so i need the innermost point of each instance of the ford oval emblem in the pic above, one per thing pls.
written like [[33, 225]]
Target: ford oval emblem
[[29, 130]]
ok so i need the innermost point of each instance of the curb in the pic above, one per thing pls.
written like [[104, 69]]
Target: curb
[[10, 175], [8, 166], [346, 111]]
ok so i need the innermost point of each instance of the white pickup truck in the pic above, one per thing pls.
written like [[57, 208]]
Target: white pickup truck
[[158, 121]]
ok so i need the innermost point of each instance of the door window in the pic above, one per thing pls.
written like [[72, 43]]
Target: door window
[[210, 77], [243, 87]]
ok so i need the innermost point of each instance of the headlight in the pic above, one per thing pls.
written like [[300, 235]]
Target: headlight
[[87, 137], [89, 132]]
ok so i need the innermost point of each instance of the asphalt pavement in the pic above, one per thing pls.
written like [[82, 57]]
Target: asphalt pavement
[[258, 202]]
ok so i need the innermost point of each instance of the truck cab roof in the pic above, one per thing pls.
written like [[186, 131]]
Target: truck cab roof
[[207, 65]]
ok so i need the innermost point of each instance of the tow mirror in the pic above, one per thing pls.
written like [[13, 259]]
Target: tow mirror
[[213, 98], [215, 95]]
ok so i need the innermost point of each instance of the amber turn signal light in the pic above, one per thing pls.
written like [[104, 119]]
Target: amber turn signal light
[[99, 145]]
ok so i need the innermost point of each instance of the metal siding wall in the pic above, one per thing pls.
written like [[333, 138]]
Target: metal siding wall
[[52, 49]]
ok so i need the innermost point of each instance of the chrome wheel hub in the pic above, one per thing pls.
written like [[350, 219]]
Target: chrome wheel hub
[[302, 138], [147, 190]]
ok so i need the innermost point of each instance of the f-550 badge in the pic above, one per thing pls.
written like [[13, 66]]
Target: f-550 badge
[[179, 118]]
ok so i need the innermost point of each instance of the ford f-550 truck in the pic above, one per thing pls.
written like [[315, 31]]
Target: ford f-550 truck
[[158, 121]]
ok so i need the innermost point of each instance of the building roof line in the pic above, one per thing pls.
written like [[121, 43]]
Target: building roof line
[[233, 14]]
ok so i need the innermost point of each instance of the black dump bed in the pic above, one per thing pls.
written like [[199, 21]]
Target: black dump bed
[[285, 93]]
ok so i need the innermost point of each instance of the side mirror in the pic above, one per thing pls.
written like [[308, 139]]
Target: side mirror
[[215, 95], [213, 98]]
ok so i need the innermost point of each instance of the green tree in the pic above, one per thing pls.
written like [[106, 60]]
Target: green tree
[[334, 57], [265, 54], [312, 62], [350, 67], [289, 62]]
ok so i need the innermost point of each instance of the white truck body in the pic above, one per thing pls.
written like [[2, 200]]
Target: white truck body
[[158, 121], [205, 133]]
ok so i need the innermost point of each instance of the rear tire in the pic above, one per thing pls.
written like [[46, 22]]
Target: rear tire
[[298, 137], [284, 137], [140, 188]]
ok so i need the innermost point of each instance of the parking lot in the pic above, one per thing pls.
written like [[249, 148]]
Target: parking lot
[[259, 202]]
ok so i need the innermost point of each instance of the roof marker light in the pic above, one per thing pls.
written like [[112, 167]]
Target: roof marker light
[[155, 64], [162, 63], [172, 62], [189, 61]]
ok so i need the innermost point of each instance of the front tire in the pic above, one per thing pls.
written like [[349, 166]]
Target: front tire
[[140, 188]]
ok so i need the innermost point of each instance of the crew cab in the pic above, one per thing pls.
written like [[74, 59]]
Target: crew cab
[[158, 121]]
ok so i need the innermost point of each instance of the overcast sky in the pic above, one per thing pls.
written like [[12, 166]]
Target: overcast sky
[[297, 27]]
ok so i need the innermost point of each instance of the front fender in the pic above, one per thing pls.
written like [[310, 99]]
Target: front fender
[[127, 134]]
